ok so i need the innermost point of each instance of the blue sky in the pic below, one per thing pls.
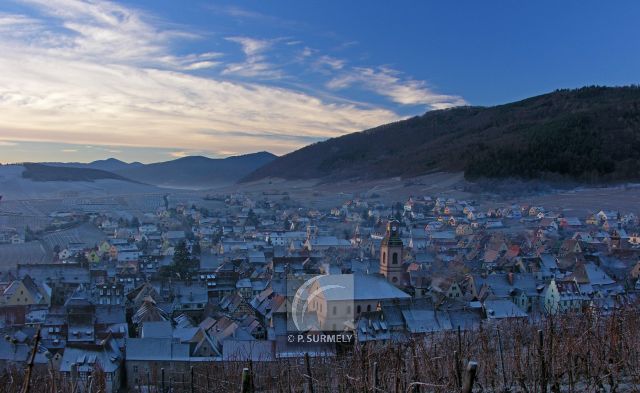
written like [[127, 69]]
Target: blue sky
[[155, 80]]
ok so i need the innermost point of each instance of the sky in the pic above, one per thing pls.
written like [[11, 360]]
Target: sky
[[154, 80]]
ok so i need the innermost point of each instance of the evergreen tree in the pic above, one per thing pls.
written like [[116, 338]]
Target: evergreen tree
[[183, 264], [181, 257], [252, 218], [195, 249], [29, 235]]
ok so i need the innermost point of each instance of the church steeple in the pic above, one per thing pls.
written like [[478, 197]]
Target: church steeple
[[391, 254]]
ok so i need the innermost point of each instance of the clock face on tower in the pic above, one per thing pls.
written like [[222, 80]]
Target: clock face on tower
[[393, 228]]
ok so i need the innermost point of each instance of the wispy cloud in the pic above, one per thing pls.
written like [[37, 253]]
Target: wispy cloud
[[178, 154], [193, 61], [255, 64], [13, 20], [98, 73], [391, 83], [100, 31], [253, 16], [346, 44], [328, 63], [238, 12], [298, 139]]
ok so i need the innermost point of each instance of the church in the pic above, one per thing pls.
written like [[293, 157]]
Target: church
[[391, 249]]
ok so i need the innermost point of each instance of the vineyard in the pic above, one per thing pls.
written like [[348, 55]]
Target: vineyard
[[574, 353]]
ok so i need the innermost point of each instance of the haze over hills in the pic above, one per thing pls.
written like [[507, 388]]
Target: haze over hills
[[40, 180], [110, 164], [37, 181], [197, 171], [590, 134], [187, 172]]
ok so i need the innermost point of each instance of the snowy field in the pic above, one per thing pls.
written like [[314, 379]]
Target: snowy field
[[14, 187]]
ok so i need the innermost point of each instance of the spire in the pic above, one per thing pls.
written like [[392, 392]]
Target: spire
[[392, 236]]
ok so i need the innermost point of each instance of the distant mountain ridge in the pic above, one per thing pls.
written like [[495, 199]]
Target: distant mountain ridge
[[47, 173], [198, 171], [590, 134], [186, 172], [110, 164]]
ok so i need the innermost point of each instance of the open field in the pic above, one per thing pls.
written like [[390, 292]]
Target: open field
[[323, 195], [584, 200], [14, 187], [577, 201]]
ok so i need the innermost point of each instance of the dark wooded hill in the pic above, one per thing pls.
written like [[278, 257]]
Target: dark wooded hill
[[590, 134], [42, 173]]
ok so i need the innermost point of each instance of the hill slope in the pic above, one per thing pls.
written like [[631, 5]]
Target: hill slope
[[110, 164], [196, 171], [40, 172], [55, 184], [588, 134]]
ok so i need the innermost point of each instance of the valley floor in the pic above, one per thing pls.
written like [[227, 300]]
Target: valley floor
[[578, 200]]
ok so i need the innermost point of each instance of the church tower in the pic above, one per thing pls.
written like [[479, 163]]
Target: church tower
[[616, 242], [391, 254]]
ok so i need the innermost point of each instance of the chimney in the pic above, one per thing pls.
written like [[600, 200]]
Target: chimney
[[510, 278]]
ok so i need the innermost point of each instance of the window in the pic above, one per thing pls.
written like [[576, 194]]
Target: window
[[395, 258], [348, 309], [384, 258], [359, 309], [368, 307], [335, 310]]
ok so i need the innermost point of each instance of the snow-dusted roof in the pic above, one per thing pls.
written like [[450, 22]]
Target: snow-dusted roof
[[358, 287]]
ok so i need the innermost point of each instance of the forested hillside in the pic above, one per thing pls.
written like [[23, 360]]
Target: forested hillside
[[43, 173], [590, 134]]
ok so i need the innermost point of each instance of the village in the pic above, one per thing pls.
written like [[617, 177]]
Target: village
[[172, 283]]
